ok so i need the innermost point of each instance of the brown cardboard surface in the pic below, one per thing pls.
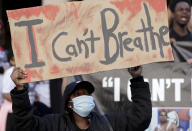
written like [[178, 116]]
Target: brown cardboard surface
[[74, 38]]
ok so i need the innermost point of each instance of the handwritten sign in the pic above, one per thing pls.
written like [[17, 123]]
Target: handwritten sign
[[74, 38]]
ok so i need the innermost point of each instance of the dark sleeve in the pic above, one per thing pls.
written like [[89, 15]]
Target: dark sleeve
[[24, 117], [1, 70], [138, 116]]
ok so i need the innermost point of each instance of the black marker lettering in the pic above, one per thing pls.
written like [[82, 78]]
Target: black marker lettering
[[92, 39], [138, 43], [126, 42], [120, 35], [53, 48], [144, 30], [107, 34], [79, 44], [73, 51], [29, 24]]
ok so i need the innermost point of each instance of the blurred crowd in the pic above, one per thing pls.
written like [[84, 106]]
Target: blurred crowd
[[45, 96]]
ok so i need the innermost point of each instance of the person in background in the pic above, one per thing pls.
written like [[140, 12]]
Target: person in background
[[3, 67], [7, 120], [4, 64], [181, 10], [43, 105], [181, 14], [7, 82]]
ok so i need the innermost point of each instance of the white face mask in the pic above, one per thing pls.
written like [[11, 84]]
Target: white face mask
[[83, 105]]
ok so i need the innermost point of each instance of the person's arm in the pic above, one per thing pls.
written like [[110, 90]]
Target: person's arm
[[138, 116], [7, 96], [141, 110], [25, 120]]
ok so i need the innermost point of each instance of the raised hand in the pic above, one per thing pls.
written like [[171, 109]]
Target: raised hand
[[135, 71], [17, 75]]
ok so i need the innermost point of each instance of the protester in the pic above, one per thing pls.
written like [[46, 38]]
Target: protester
[[165, 124], [7, 84], [78, 105], [181, 15], [42, 88], [190, 23], [7, 119], [2, 69], [4, 65]]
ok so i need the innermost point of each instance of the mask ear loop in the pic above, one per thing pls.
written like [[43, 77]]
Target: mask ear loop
[[70, 105]]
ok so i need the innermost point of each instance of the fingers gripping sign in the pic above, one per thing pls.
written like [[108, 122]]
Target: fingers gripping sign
[[17, 75], [135, 71]]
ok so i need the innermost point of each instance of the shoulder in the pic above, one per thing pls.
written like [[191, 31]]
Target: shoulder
[[55, 118], [8, 84], [172, 33], [97, 116], [52, 121], [8, 71]]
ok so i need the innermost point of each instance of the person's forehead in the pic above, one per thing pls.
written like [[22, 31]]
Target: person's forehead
[[81, 88], [78, 90], [182, 4], [84, 89]]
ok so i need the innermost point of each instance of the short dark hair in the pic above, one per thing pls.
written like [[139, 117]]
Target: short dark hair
[[173, 4]]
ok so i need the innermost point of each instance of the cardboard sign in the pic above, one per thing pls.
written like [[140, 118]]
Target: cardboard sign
[[74, 38]]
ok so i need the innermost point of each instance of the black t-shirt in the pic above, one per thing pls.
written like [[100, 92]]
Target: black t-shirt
[[85, 130], [177, 37]]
